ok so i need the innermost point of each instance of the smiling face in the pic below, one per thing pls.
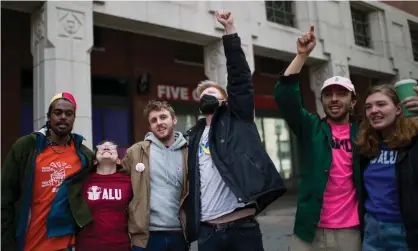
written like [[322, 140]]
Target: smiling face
[[107, 152], [162, 124], [381, 111], [337, 102]]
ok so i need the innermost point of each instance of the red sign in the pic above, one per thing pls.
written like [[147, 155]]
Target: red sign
[[177, 93], [263, 101], [181, 93]]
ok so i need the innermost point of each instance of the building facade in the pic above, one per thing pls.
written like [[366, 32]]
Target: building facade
[[116, 56]]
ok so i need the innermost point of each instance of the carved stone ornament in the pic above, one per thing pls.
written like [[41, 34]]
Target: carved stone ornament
[[341, 69], [71, 23], [38, 26]]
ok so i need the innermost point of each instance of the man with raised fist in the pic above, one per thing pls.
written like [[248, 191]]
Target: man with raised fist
[[231, 177], [328, 214]]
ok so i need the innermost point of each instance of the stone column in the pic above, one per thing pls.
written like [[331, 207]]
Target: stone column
[[320, 72], [61, 42], [215, 61]]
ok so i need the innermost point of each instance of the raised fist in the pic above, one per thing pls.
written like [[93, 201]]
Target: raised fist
[[225, 18], [307, 42]]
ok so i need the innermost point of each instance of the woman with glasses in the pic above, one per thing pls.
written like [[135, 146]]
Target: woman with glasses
[[107, 192]]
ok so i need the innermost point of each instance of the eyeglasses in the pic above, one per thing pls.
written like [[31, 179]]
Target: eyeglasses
[[106, 147]]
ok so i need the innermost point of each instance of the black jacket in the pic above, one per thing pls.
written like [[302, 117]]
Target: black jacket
[[235, 144], [407, 184]]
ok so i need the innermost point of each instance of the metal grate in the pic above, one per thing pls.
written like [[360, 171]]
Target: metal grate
[[280, 12], [361, 27]]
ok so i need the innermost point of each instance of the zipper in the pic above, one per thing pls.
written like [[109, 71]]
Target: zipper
[[196, 196]]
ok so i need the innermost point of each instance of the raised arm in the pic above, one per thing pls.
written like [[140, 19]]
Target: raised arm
[[240, 87], [287, 92]]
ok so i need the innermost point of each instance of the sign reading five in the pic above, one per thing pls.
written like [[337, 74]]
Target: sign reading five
[[170, 92]]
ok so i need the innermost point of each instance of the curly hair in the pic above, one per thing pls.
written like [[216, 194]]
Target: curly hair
[[369, 139], [155, 105]]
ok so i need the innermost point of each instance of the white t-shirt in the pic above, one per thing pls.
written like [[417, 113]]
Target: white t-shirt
[[217, 199]]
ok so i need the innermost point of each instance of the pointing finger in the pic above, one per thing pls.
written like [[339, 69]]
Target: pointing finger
[[312, 29]]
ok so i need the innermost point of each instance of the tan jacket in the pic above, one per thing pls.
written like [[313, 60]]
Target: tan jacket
[[139, 207]]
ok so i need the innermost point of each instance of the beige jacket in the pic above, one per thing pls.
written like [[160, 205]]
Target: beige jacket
[[139, 207]]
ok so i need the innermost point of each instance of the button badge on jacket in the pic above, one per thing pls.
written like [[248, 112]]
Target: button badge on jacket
[[140, 167]]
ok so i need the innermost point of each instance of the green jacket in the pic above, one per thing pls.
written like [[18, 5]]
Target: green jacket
[[314, 140], [69, 210]]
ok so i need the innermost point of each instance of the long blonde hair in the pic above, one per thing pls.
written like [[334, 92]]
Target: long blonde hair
[[368, 139]]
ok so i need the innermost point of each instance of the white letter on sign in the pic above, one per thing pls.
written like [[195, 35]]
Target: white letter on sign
[[174, 90], [195, 95], [161, 91], [184, 94]]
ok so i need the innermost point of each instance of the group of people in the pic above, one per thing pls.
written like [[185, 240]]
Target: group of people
[[359, 178], [357, 188]]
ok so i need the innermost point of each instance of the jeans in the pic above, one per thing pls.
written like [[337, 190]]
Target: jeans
[[244, 237], [164, 241], [382, 236]]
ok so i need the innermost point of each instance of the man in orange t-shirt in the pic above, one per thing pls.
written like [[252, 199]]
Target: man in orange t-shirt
[[40, 174]]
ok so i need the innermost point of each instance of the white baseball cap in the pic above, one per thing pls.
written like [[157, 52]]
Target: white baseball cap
[[341, 81]]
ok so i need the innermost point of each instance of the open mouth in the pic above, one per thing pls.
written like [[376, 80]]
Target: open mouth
[[335, 108], [161, 130], [62, 126], [377, 119]]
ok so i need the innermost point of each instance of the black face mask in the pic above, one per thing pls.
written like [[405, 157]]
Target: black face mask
[[208, 104]]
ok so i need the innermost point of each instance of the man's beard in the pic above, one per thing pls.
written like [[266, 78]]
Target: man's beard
[[167, 137], [62, 134]]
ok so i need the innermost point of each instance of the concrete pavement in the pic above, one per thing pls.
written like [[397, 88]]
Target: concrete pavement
[[276, 224]]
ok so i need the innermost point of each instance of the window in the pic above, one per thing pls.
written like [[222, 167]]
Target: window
[[191, 54], [185, 122], [280, 12], [97, 37], [361, 27], [112, 124], [110, 86], [111, 111], [270, 66], [275, 136], [413, 30]]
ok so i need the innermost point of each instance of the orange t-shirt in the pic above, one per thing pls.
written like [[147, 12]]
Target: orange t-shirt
[[51, 169]]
